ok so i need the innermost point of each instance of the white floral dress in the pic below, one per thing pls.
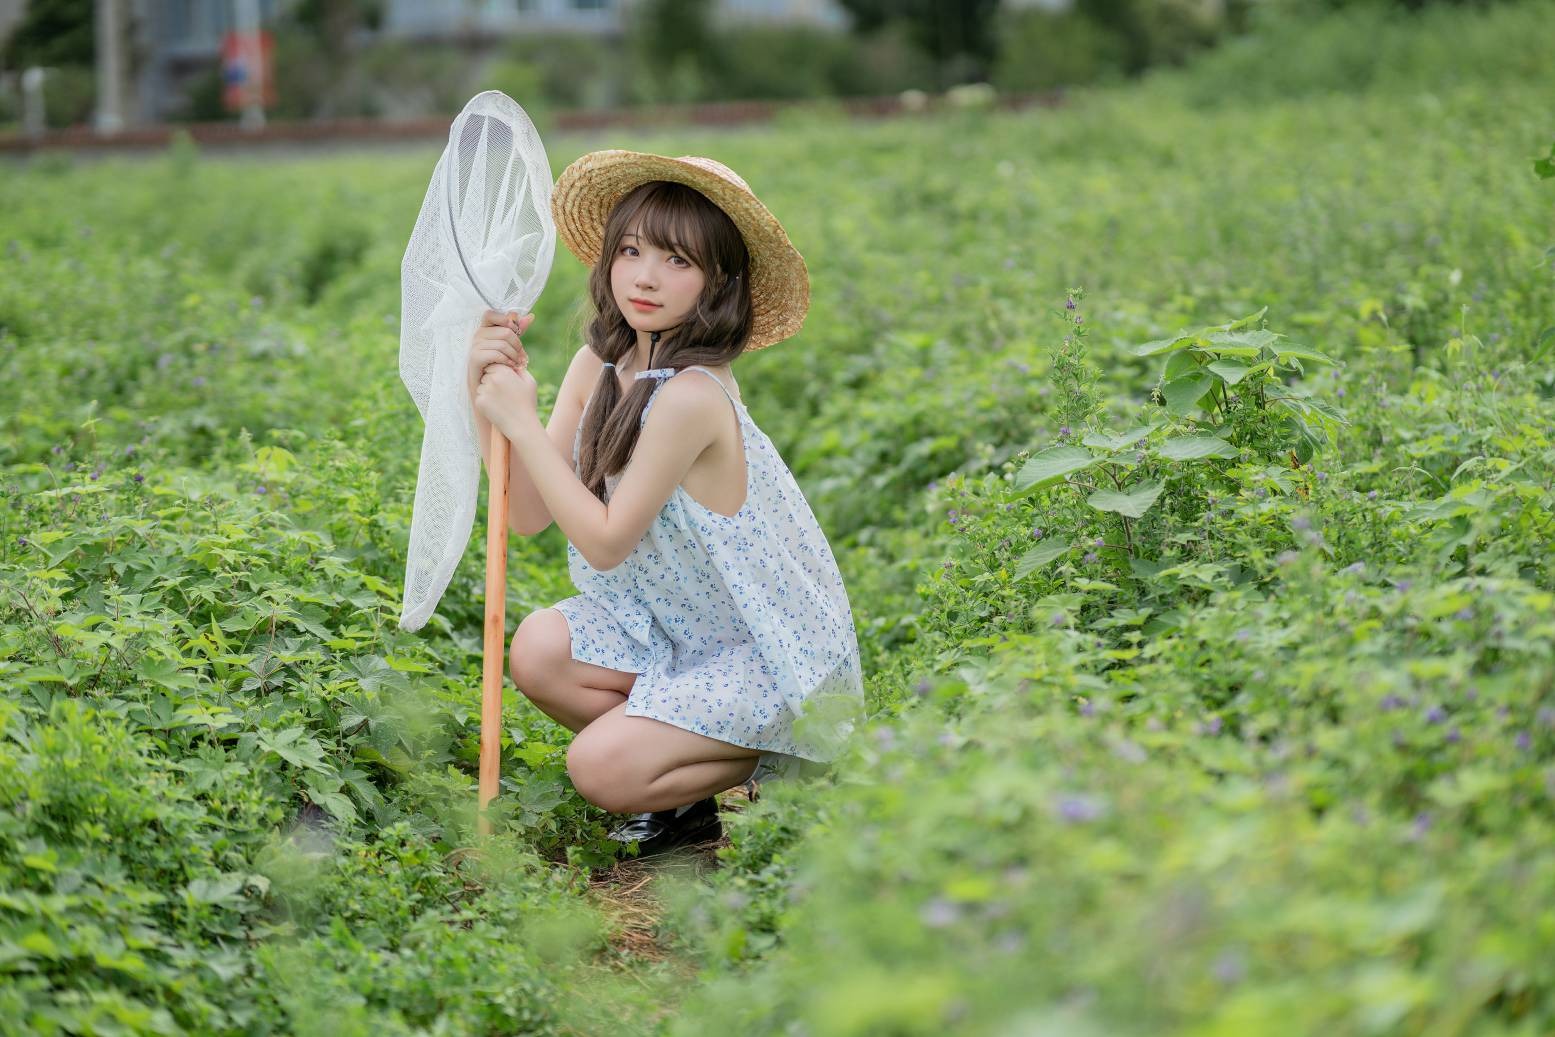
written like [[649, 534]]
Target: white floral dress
[[738, 626]]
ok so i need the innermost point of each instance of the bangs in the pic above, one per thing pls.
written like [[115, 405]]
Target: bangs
[[667, 216]]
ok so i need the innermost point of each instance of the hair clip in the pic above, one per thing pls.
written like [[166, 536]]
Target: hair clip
[[656, 372]]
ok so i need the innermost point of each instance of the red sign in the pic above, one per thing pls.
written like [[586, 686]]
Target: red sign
[[246, 61]]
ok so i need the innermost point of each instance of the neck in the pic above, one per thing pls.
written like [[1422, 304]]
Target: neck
[[645, 351]]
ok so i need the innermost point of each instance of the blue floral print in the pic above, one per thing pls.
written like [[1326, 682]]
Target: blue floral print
[[738, 626]]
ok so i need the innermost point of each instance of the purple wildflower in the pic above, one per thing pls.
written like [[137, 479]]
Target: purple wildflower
[[261, 488], [939, 912], [1063, 430], [1422, 823], [1229, 967], [1390, 702], [1523, 741], [923, 687], [1339, 393], [197, 381], [1242, 635], [1300, 522], [1087, 709], [1371, 495], [1403, 585], [22, 541], [1454, 736], [1286, 557], [1090, 556], [1079, 808], [1211, 727], [1036, 532], [1465, 614], [1435, 715], [1069, 304]]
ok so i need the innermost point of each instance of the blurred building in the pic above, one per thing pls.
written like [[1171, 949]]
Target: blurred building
[[430, 19], [173, 41]]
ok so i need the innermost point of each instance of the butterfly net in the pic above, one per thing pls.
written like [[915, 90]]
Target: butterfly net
[[484, 238]]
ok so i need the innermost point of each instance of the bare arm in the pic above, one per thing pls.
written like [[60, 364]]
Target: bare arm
[[682, 424], [527, 511]]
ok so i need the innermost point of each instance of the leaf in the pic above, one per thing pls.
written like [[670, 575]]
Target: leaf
[[534, 753], [1285, 353], [338, 804], [1232, 371], [1240, 343], [225, 889], [1162, 345], [1133, 503], [1039, 556], [1051, 465], [1182, 394], [295, 747], [1187, 448], [1107, 441], [1544, 168], [164, 672], [1179, 364]]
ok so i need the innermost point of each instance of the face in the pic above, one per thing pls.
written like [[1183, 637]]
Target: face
[[668, 279]]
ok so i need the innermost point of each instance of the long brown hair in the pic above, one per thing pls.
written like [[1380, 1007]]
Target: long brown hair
[[678, 219]]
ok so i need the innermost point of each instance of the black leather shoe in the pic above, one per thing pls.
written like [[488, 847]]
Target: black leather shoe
[[656, 831]]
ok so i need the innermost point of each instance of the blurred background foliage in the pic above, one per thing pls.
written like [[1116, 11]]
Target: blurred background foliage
[[333, 59]]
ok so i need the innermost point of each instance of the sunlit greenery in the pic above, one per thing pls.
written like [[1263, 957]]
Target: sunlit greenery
[[1225, 709]]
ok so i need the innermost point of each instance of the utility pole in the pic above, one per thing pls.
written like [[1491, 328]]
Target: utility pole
[[110, 64], [246, 20]]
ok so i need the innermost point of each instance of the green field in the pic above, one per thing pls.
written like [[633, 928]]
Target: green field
[[1227, 709]]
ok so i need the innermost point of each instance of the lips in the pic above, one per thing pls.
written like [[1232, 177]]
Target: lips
[[644, 302]]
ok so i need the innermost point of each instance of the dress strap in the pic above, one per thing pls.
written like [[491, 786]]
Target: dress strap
[[720, 381], [690, 367]]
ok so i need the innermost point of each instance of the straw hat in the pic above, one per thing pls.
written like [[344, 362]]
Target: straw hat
[[589, 189]]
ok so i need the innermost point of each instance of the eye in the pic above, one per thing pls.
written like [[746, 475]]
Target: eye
[[625, 247], [682, 260]]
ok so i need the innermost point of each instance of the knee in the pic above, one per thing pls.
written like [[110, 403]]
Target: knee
[[539, 645], [594, 765]]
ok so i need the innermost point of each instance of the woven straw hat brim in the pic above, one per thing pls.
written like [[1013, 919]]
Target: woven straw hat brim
[[589, 189]]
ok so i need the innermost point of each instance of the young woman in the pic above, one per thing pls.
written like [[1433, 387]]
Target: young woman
[[711, 640]]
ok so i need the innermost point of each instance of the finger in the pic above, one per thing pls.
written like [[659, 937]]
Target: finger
[[492, 318], [523, 324]]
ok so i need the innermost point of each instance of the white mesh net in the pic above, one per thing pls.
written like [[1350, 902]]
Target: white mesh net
[[484, 239]]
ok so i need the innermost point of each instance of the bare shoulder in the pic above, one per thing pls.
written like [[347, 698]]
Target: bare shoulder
[[688, 407], [581, 374]]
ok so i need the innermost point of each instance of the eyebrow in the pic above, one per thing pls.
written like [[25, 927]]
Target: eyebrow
[[673, 248]]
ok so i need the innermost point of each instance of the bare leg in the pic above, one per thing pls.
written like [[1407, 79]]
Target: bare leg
[[627, 765], [693, 781], [570, 692]]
